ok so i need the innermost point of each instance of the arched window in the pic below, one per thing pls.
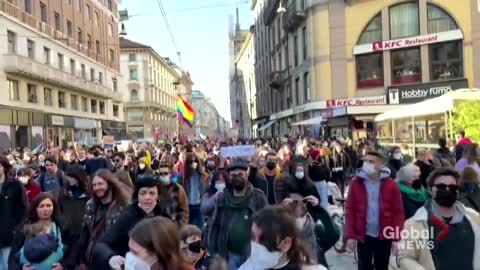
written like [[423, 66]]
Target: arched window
[[446, 57], [370, 66], [439, 20], [134, 96], [373, 31], [404, 21]]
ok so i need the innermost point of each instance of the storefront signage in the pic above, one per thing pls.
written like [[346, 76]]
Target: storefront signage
[[362, 101], [407, 42], [415, 93], [315, 105], [81, 123], [57, 120]]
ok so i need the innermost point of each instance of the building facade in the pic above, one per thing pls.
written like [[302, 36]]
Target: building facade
[[208, 121], [328, 56], [244, 90], [150, 87], [60, 66]]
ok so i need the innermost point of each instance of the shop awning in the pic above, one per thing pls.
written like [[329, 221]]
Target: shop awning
[[312, 121], [432, 106], [267, 125]]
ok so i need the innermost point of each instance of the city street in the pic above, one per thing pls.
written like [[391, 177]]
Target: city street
[[337, 261]]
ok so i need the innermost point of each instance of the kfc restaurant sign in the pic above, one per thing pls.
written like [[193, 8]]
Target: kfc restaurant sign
[[361, 101], [407, 42]]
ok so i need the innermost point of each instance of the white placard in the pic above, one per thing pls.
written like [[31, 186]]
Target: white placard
[[238, 151]]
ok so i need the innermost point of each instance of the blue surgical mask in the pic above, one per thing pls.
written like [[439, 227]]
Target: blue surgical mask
[[299, 175], [220, 186], [165, 180]]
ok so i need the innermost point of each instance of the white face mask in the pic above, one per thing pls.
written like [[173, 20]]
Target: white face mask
[[133, 262], [300, 222], [220, 186], [369, 168], [165, 180], [141, 166], [261, 258], [299, 175], [397, 156], [23, 179], [194, 165]]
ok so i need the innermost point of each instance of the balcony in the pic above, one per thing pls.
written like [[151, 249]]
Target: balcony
[[294, 16], [22, 66], [9, 9], [270, 11], [277, 79], [29, 19]]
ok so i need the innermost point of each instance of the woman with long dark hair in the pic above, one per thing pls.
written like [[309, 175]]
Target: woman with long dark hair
[[155, 245], [194, 184], [74, 198], [277, 243], [109, 251], [44, 210]]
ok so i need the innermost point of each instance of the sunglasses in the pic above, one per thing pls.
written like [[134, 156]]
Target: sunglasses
[[163, 174], [444, 187], [118, 160]]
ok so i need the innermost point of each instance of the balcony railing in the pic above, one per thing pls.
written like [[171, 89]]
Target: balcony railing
[[295, 15], [277, 78], [19, 65], [9, 8], [270, 11], [29, 19]]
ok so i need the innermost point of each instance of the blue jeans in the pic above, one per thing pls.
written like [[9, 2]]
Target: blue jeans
[[195, 216], [234, 261], [4, 252]]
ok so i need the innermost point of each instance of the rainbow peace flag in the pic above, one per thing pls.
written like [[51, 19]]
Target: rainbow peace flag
[[185, 112]]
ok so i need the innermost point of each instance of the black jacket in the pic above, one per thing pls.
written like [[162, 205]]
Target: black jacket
[[13, 209], [410, 206], [68, 240], [115, 240], [304, 187]]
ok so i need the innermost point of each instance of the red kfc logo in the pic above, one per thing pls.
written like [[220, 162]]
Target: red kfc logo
[[378, 46]]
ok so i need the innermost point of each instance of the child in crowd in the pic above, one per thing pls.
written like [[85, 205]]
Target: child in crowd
[[42, 249]]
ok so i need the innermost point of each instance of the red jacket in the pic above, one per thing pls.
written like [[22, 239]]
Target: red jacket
[[32, 191], [390, 208]]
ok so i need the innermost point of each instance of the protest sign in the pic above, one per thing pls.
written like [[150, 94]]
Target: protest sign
[[238, 151]]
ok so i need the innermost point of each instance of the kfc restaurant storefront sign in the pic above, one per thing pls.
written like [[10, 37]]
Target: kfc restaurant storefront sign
[[408, 42], [363, 101]]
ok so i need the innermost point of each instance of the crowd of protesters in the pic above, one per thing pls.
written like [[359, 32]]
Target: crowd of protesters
[[185, 206]]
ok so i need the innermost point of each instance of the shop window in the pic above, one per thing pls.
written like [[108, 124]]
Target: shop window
[[403, 130], [446, 61], [373, 32], [32, 93], [61, 99], [134, 96], [439, 20], [404, 20], [384, 132], [429, 129], [369, 70], [406, 66]]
